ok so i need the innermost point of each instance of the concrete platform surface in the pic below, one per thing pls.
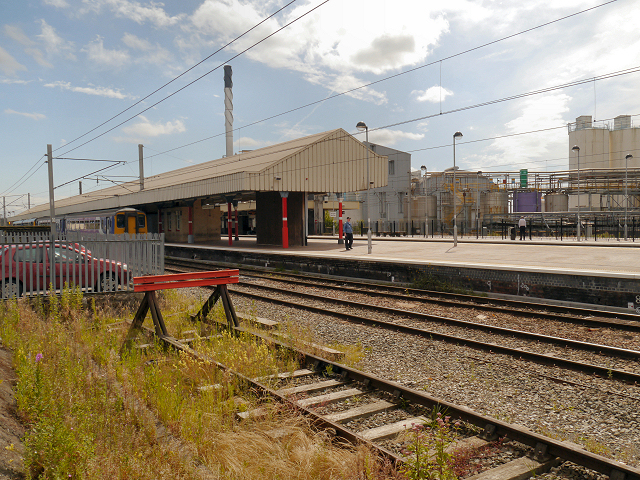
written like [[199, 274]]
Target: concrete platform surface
[[619, 258]]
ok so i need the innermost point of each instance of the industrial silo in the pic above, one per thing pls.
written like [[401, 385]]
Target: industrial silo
[[432, 207], [527, 201], [494, 203], [556, 202]]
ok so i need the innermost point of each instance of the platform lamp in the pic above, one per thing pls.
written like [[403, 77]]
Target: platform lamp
[[577, 150], [426, 215], [626, 192], [362, 127], [455, 225]]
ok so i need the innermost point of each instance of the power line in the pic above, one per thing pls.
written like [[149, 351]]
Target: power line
[[312, 103], [88, 159], [515, 97], [202, 76], [15, 185], [346, 92], [503, 136], [182, 74], [85, 176], [491, 102]]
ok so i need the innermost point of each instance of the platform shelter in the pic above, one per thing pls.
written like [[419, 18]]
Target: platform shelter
[[187, 204]]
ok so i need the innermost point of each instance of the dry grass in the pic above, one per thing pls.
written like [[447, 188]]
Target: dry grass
[[92, 414]]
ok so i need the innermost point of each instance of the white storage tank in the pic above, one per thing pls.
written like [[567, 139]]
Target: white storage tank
[[556, 202], [432, 206], [494, 203]]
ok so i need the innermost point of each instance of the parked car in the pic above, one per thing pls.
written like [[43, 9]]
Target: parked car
[[28, 269]]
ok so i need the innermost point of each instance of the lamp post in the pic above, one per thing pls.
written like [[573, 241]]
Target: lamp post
[[426, 215], [478, 203], [361, 126], [626, 193], [577, 150], [455, 225]]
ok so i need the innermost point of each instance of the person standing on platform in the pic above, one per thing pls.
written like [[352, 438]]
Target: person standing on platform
[[348, 234], [523, 227]]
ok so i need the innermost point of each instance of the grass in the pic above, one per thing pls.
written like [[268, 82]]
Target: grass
[[93, 414]]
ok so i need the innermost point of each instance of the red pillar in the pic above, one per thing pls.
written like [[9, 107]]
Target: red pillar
[[235, 205], [285, 226], [190, 238], [340, 241], [229, 223], [160, 225]]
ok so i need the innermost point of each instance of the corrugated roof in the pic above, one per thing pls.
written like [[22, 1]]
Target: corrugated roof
[[332, 161]]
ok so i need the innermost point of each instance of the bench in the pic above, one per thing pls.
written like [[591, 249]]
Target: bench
[[151, 283]]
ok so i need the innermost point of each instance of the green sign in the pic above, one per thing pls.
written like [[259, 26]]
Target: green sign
[[524, 177]]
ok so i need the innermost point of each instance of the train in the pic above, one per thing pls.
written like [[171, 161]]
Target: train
[[114, 221]]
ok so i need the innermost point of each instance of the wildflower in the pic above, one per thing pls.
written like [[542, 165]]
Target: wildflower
[[39, 357]]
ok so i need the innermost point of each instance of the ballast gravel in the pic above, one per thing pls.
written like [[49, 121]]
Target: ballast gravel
[[599, 413]]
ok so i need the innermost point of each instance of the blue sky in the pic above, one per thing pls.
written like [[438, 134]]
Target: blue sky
[[67, 66]]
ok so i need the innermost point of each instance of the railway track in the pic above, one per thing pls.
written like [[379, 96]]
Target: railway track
[[616, 363], [569, 314], [349, 402]]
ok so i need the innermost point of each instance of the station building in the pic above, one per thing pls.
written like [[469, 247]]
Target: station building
[[188, 204]]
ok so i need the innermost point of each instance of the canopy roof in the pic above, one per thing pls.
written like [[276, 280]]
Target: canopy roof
[[327, 162]]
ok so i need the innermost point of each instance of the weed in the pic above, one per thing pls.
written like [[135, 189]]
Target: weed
[[94, 414], [427, 453]]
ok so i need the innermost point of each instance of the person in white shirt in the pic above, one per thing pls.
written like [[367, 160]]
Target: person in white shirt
[[523, 227]]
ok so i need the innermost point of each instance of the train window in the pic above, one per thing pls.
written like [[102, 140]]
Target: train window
[[120, 220], [141, 222]]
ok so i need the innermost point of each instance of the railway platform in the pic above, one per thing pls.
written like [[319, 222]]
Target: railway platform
[[593, 272]]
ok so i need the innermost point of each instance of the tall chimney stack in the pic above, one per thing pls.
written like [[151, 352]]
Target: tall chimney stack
[[228, 109]]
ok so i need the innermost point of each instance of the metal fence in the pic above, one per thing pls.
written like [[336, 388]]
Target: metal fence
[[93, 262]]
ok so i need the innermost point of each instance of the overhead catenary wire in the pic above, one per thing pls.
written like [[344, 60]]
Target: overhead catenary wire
[[181, 75], [85, 176], [168, 175], [202, 76], [346, 92], [490, 102], [325, 99], [17, 183]]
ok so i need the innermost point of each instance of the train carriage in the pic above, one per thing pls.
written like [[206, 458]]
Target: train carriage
[[114, 221]]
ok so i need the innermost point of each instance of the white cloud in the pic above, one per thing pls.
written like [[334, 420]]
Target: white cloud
[[151, 12], [53, 43], [151, 53], [8, 81], [17, 34], [33, 116], [536, 113], [8, 64], [145, 129], [38, 56], [56, 3], [432, 94], [328, 46], [248, 143], [391, 137], [105, 57], [91, 90]]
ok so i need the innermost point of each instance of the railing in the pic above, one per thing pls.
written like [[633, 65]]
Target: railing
[[93, 262]]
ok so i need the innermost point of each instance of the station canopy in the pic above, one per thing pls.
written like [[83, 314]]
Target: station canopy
[[328, 162]]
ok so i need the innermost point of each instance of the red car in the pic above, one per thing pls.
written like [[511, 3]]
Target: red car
[[28, 269]]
